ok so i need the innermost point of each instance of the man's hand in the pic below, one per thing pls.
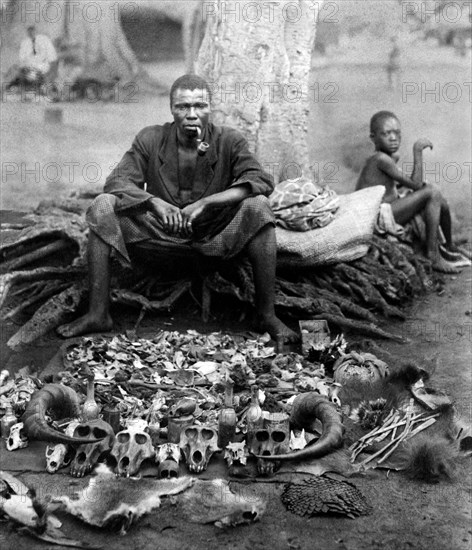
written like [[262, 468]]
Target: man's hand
[[169, 215], [191, 213], [422, 143]]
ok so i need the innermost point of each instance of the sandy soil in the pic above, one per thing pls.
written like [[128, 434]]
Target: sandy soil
[[406, 514]]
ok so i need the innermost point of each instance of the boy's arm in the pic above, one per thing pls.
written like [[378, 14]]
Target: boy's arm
[[417, 173], [387, 165]]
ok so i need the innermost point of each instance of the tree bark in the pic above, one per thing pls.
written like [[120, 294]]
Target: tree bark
[[257, 57]]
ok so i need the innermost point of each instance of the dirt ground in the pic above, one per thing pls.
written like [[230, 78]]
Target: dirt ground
[[406, 514]]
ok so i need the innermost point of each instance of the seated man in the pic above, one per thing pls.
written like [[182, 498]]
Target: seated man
[[168, 193], [37, 55], [381, 169]]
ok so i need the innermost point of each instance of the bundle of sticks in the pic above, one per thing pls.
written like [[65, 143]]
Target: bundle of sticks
[[396, 429]]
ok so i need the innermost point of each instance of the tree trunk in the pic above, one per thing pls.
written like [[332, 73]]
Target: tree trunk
[[257, 56], [91, 32]]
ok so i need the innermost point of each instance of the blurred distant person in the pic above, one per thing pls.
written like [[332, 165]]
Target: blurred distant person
[[37, 56], [394, 65]]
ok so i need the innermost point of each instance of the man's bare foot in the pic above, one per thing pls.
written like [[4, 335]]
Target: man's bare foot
[[279, 332], [443, 266], [84, 325]]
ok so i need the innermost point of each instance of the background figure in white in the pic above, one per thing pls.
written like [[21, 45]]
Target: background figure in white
[[37, 54]]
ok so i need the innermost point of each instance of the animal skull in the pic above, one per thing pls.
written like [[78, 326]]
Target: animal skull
[[168, 456], [198, 444], [17, 438], [132, 446], [235, 453], [58, 456], [88, 454], [272, 439]]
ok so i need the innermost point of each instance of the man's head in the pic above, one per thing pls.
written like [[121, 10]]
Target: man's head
[[190, 104], [31, 30], [385, 132]]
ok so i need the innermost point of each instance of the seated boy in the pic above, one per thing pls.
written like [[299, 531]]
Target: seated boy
[[381, 169]]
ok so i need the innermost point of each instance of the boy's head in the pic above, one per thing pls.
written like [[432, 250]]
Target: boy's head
[[385, 132]]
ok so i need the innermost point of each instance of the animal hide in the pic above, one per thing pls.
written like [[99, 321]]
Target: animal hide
[[116, 503], [214, 502]]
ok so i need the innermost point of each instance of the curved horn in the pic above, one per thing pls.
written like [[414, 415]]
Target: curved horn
[[306, 409], [63, 402]]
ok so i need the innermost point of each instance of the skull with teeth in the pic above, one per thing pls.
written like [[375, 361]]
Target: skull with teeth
[[198, 444], [88, 454], [132, 446], [235, 454], [17, 438], [168, 456], [272, 439], [58, 456]]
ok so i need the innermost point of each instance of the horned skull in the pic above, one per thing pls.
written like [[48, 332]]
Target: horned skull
[[168, 456], [198, 444], [17, 438], [58, 456], [132, 446], [272, 439], [88, 454]]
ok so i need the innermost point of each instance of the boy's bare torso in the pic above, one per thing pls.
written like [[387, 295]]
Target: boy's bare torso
[[372, 175]]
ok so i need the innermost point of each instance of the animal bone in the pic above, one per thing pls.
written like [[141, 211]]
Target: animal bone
[[306, 409], [17, 438], [57, 456], [63, 402], [168, 457], [24, 389], [271, 440], [235, 453], [132, 446], [101, 439], [198, 444]]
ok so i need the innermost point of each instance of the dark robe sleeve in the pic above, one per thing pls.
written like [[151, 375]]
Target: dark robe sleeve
[[247, 170], [128, 178]]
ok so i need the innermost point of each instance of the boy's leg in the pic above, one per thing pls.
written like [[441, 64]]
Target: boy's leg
[[97, 318], [429, 199]]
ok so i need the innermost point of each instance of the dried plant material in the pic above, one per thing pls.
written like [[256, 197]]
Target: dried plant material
[[323, 495], [372, 413], [51, 314], [128, 371]]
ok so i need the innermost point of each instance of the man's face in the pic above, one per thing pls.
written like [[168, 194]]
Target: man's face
[[32, 33], [191, 110], [387, 136]]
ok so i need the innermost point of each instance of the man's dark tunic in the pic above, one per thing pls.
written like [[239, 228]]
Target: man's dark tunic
[[149, 169]]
